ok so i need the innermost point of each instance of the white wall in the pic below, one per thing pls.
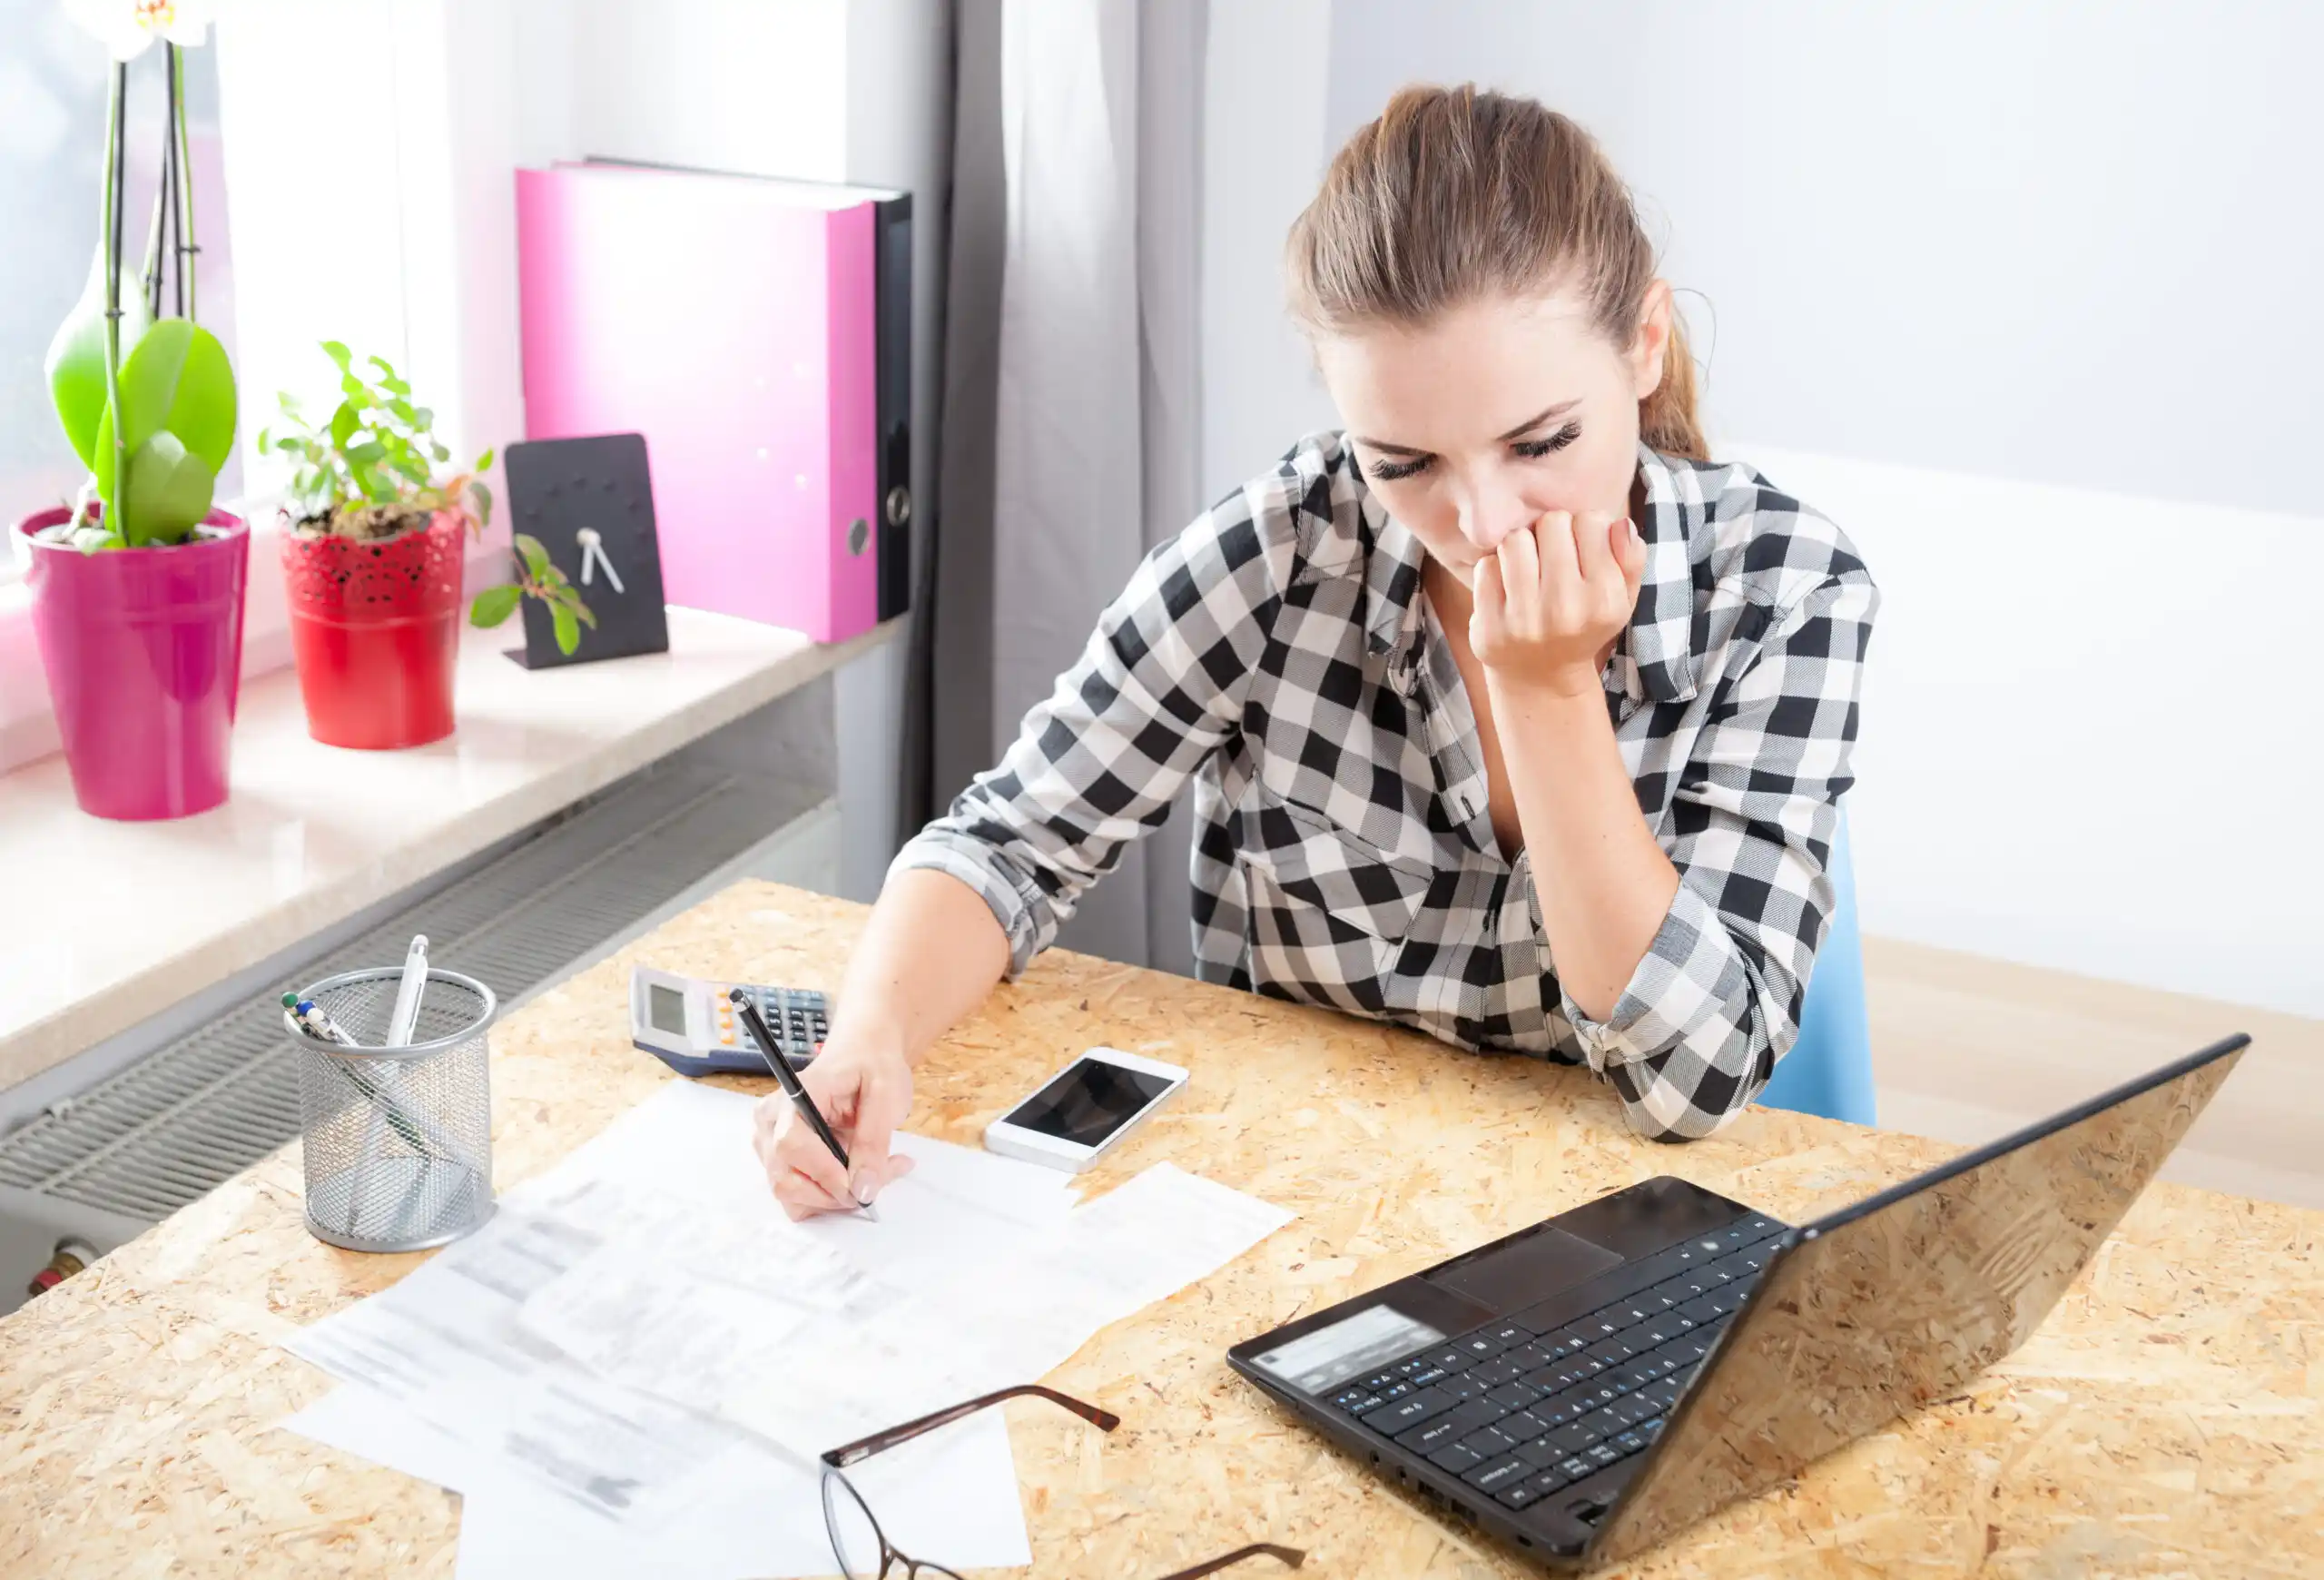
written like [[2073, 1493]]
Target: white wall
[[2021, 296]]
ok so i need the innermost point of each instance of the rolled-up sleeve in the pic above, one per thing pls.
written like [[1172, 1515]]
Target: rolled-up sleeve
[[1715, 1001], [1096, 765]]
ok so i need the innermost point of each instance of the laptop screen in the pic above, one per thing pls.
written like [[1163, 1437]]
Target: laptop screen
[[1894, 1303]]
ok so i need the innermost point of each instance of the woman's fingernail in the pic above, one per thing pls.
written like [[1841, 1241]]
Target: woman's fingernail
[[865, 1189]]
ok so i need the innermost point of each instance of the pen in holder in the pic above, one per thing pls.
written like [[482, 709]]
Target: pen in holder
[[397, 1141]]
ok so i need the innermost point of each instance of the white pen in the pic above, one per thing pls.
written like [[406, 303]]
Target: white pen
[[408, 993]]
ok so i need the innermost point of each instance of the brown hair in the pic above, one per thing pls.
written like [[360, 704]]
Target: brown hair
[[1453, 193]]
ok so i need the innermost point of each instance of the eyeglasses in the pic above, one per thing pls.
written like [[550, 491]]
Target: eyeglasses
[[866, 1553]]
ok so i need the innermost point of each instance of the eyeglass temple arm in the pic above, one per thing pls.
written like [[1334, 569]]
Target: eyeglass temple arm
[[864, 1447], [1291, 1556]]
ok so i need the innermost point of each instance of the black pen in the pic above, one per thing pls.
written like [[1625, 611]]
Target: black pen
[[748, 1013]]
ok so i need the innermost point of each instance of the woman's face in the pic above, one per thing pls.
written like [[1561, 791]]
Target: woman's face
[[1493, 414]]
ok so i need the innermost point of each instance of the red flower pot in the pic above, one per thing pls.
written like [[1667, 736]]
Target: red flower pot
[[374, 631], [143, 652]]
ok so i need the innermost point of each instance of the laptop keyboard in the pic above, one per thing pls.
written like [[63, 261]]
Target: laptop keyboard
[[1521, 1408]]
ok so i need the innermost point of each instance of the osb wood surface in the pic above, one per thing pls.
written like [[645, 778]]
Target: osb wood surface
[[2164, 1421]]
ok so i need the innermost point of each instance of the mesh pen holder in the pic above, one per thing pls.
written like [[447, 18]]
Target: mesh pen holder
[[397, 1141]]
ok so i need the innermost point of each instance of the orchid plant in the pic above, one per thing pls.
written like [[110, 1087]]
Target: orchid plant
[[146, 400]]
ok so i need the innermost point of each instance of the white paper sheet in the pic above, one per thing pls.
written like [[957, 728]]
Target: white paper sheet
[[811, 1383], [952, 1498], [673, 1183]]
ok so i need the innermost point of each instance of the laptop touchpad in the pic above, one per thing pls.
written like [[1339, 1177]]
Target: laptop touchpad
[[1531, 1269]]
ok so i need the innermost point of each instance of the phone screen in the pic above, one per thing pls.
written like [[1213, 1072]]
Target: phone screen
[[1089, 1102]]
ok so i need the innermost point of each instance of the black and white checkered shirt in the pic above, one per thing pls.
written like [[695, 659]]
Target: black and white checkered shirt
[[1280, 650]]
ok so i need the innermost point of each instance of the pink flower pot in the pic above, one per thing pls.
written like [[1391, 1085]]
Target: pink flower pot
[[143, 650]]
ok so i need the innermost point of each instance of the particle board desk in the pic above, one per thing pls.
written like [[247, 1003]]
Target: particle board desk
[[2165, 1420]]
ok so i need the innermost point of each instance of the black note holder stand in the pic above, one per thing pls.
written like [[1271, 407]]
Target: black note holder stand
[[590, 501]]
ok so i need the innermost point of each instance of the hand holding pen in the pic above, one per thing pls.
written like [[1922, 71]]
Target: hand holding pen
[[801, 1103]]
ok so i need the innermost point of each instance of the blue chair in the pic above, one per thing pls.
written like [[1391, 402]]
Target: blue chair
[[1828, 1071]]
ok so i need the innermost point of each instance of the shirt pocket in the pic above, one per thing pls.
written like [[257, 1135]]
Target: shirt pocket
[[1328, 913]]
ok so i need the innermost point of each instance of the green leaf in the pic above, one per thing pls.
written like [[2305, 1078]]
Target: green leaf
[[568, 630], [494, 603], [339, 355], [483, 503], [405, 409], [536, 557], [483, 462], [343, 424], [168, 490], [77, 359], [440, 452], [178, 381]]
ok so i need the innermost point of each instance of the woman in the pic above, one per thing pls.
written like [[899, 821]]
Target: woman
[[1513, 718]]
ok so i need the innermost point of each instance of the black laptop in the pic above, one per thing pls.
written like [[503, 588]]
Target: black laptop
[[1587, 1387]]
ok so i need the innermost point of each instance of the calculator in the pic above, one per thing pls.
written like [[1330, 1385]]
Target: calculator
[[689, 1024]]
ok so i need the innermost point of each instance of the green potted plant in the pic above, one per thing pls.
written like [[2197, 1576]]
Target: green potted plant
[[372, 558], [137, 584]]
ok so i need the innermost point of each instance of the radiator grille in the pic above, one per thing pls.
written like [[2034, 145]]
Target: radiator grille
[[198, 1110]]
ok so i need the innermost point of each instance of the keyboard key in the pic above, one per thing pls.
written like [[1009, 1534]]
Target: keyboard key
[[1650, 1429], [1576, 1467], [1762, 1227], [1421, 1405], [1490, 1443], [1424, 1374], [1456, 1458], [1519, 1495], [1601, 1454], [1482, 1345], [1602, 1423], [1559, 1411], [1702, 1308], [1365, 1405], [1511, 1335], [1429, 1436], [1522, 1425], [1547, 1378], [1541, 1452], [1549, 1479], [1500, 1369], [1515, 1395], [1382, 1379], [1395, 1391], [1451, 1358], [1526, 1356], [1460, 1388], [1349, 1398], [1570, 1439], [1496, 1474], [1474, 1414]]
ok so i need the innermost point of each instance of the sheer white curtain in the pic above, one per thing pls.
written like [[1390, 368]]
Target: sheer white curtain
[[1071, 424]]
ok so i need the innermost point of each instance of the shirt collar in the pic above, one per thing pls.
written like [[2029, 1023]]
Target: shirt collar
[[1655, 658]]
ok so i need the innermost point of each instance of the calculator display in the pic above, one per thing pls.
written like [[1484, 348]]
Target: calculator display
[[666, 1009]]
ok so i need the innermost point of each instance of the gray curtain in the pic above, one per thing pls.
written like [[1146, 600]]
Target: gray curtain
[[1070, 423]]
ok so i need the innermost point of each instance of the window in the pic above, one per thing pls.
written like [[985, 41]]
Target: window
[[52, 80]]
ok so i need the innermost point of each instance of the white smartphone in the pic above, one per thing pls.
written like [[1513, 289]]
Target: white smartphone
[[1084, 1110]]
